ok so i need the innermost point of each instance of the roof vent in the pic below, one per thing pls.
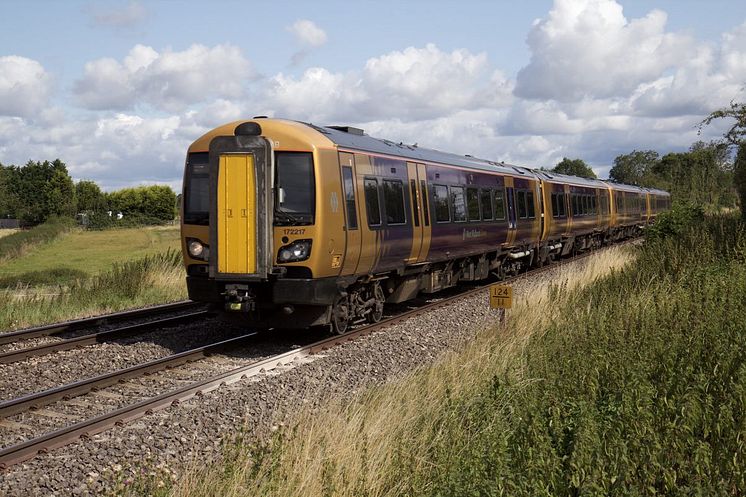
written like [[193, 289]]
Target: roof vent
[[348, 129], [259, 117]]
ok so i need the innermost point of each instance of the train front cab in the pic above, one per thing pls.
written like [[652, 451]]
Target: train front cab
[[254, 243]]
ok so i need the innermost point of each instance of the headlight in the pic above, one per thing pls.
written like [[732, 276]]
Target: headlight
[[299, 250], [197, 250]]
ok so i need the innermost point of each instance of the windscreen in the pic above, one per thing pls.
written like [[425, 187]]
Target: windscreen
[[197, 189], [295, 193]]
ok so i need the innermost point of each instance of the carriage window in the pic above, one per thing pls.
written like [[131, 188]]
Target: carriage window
[[393, 201], [440, 201], [499, 204], [371, 202], [563, 204], [485, 198], [574, 199], [458, 202], [530, 203], [349, 187], [555, 207], [520, 200], [425, 210], [472, 202]]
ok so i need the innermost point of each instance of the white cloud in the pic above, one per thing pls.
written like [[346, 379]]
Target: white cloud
[[587, 48], [168, 80], [25, 86], [415, 83], [307, 33]]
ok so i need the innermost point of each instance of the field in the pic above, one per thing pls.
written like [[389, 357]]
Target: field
[[6, 232], [632, 384], [81, 273], [82, 254]]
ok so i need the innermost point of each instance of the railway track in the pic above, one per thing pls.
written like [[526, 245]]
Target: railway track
[[92, 322], [32, 447], [99, 337]]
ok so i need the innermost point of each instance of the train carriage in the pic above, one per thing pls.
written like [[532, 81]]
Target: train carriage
[[288, 224]]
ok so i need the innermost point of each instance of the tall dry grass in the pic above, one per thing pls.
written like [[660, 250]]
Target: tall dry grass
[[350, 448]]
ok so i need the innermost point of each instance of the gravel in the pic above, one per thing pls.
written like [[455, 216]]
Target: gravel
[[174, 438]]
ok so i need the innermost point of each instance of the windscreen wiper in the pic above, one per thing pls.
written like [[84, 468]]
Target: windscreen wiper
[[288, 217]]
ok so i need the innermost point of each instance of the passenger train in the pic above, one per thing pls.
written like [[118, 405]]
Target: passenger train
[[288, 224]]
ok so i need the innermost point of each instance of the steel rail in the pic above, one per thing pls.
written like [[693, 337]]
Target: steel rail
[[103, 336], [71, 390], [77, 324], [31, 448]]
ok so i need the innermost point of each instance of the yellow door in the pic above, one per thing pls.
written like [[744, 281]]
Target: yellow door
[[425, 212], [352, 216], [416, 213], [236, 214]]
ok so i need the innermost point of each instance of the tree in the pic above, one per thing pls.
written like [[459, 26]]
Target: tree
[[7, 207], [739, 176], [154, 201], [734, 137], [41, 190], [89, 196], [574, 167], [632, 168]]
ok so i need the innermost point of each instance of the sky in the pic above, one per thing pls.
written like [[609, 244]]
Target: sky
[[118, 89]]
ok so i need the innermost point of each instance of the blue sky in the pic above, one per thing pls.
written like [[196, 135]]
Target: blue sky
[[118, 89]]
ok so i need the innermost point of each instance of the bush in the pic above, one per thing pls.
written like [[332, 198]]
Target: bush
[[676, 221]]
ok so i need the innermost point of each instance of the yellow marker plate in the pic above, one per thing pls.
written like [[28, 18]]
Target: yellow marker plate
[[501, 296]]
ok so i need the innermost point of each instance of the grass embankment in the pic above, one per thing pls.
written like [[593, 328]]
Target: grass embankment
[[7, 231], [84, 273], [634, 385], [82, 254], [155, 279], [16, 243]]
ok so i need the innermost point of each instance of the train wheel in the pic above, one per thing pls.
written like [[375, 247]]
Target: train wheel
[[376, 313], [340, 316]]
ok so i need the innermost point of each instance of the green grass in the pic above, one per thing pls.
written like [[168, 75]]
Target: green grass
[[633, 385], [153, 279], [79, 254], [21, 242]]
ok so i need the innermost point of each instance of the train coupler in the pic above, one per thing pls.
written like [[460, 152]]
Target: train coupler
[[239, 298]]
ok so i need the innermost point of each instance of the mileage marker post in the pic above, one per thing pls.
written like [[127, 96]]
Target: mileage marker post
[[501, 297]]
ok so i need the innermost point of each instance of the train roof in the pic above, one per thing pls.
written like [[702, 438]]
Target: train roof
[[656, 191], [355, 138], [571, 180]]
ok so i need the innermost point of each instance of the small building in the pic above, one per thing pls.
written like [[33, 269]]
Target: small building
[[10, 223]]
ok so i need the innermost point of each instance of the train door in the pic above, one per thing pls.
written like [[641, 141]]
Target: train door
[[418, 221], [540, 209], [425, 212], [369, 221], [512, 221], [242, 197], [353, 239]]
